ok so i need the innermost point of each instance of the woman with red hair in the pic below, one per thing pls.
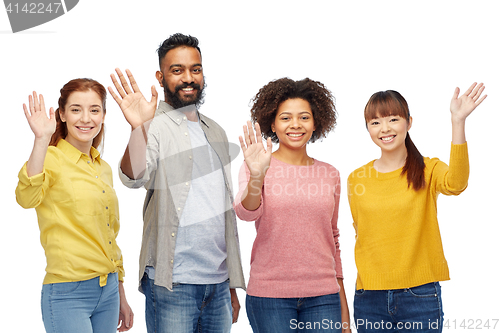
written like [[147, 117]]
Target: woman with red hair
[[71, 188]]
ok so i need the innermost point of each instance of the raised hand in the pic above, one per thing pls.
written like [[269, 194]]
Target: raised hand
[[136, 109], [257, 157], [461, 107], [42, 126]]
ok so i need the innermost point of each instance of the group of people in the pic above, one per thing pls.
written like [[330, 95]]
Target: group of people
[[190, 263]]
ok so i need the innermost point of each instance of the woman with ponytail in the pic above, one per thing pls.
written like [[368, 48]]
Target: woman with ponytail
[[399, 253], [71, 188]]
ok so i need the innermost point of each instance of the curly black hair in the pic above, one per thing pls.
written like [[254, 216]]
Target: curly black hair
[[174, 41], [266, 102]]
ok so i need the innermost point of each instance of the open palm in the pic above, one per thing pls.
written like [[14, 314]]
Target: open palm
[[257, 157], [136, 109], [461, 107], [41, 125]]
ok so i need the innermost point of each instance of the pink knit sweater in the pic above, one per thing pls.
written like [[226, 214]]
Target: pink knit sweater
[[296, 251]]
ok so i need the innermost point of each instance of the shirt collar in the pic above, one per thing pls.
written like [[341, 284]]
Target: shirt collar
[[177, 115], [73, 153]]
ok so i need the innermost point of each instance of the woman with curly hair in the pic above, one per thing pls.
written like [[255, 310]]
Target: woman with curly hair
[[296, 272]]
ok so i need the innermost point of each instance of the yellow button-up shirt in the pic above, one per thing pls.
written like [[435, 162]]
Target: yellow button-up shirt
[[77, 211]]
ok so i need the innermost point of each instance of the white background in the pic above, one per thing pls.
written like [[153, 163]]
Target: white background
[[423, 49]]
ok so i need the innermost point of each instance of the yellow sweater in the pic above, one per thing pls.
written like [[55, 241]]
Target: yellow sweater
[[398, 244]]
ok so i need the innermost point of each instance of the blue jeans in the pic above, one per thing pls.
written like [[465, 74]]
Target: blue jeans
[[81, 306], [308, 314], [417, 309], [187, 308]]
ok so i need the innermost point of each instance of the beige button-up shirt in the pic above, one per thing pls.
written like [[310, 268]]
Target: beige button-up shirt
[[167, 179]]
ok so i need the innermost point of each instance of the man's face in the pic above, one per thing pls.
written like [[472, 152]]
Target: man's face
[[181, 76]]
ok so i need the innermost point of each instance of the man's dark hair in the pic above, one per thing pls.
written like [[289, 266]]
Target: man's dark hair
[[174, 41]]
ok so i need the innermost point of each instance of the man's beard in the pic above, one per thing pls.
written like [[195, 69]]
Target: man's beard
[[173, 98]]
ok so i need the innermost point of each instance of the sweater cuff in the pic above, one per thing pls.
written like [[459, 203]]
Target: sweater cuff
[[247, 215], [459, 152]]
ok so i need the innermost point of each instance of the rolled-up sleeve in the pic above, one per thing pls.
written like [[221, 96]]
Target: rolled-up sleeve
[[152, 155], [129, 182], [30, 191]]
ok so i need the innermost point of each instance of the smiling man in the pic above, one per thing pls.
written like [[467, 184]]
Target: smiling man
[[181, 73], [190, 260]]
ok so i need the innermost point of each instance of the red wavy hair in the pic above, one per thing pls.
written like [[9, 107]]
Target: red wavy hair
[[70, 87]]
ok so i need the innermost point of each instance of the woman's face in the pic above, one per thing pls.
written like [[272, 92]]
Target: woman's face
[[84, 116], [389, 133], [294, 123]]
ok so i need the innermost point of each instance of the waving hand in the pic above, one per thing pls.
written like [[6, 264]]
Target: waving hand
[[256, 156], [258, 160], [461, 107], [136, 109], [42, 126]]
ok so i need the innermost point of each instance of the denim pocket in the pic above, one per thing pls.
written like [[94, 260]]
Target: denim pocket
[[65, 287], [359, 292], [425, 290]]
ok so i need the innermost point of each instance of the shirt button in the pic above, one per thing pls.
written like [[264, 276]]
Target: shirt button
[[187, 184], [88, 162], [108, 224], [185, 133], [96, 176], [109, 242], [172, 261], [179, 208], [173, 234], [106, 207], [190, 157], [184, 118], [103, 191]]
